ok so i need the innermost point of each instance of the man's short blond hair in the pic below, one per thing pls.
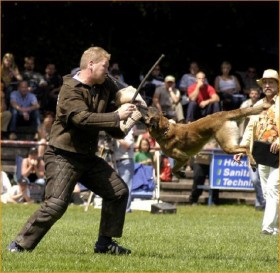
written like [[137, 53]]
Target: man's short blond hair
[[95, 54]]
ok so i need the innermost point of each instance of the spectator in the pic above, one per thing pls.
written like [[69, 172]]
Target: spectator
[[254, 96], [144, 156], [5, 114], [167, 100], [24, 108], [10, 74], [154, 80], [116, 72], [228, 87], [36, 82], [124, 157], [5, 183], [189, 78], [152, 142], [19, 193], [33, 168], [203, 99], [44, 132], [54, 82], [249, 79], [201, 169], [265, 127]]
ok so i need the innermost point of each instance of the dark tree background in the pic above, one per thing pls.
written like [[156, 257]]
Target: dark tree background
[[137, 33]]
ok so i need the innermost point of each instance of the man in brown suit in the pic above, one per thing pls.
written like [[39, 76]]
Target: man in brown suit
[[84, 108]]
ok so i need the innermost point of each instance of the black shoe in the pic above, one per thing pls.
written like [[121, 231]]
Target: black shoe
[[14, 247], [112, 248]]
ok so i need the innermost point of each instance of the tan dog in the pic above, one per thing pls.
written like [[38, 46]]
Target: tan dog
[[181, 141]]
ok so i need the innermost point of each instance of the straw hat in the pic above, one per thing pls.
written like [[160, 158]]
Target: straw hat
[[268, 74]]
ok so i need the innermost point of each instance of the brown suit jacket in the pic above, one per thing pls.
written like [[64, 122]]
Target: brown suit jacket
[[81, 113]]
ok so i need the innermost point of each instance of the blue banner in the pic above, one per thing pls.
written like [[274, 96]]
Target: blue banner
[[225, 173]]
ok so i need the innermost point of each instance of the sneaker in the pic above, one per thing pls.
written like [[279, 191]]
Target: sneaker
[[15, 247], [266, 232], [112, 248]]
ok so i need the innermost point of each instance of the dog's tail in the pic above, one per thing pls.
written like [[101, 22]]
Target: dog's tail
[[248, 111]]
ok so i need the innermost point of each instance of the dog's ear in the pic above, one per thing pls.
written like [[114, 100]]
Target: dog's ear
[[153, 123]]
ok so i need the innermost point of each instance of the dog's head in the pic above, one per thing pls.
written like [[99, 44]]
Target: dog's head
[[150, 116]]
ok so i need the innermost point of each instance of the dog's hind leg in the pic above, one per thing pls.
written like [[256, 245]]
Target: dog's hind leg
[[177, 167], [237, 149]]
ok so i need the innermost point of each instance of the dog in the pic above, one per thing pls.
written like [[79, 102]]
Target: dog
[[181, 141]]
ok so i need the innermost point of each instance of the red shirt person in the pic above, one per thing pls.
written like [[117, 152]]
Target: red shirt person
[[203, 99]]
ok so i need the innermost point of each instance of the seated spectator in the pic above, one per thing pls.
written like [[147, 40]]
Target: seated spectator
[[36, 82], [203, 99], [249, 79], [152, 142], [115, 71], [154, 80], [33, 168], [5, 114], [54, 82], [189, 78], [24, 108], [19, 193], [44, 132], [201, 170], [10, 74], [144, 156], [228, 88], [167, 100]]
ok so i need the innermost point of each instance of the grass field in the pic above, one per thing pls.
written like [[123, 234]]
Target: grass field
[[195, 239]]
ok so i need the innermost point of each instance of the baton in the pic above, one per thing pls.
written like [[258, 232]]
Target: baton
[[145, 78]]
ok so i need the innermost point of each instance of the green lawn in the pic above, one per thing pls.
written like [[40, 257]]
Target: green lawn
[[195, 239]]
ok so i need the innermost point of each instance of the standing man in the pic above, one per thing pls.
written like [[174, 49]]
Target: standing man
[[123, 150], [265, 127], [82, 111], [203, 99]]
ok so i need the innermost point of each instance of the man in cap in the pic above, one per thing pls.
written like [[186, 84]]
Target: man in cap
[[265, 128], [167, 98]]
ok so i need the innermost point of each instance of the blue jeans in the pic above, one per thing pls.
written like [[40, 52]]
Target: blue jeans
[[34, 119], [194, 112], [255, 178], [126, 171]]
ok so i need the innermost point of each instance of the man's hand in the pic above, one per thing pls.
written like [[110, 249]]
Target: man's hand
[[274, 147], [126, 110], [204, 103]]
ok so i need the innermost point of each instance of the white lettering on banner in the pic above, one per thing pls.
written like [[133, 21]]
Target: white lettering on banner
[[242, 172], [230, 163], [237, 182]]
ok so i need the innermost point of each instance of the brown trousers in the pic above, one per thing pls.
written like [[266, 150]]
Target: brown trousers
[[63, 171]]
